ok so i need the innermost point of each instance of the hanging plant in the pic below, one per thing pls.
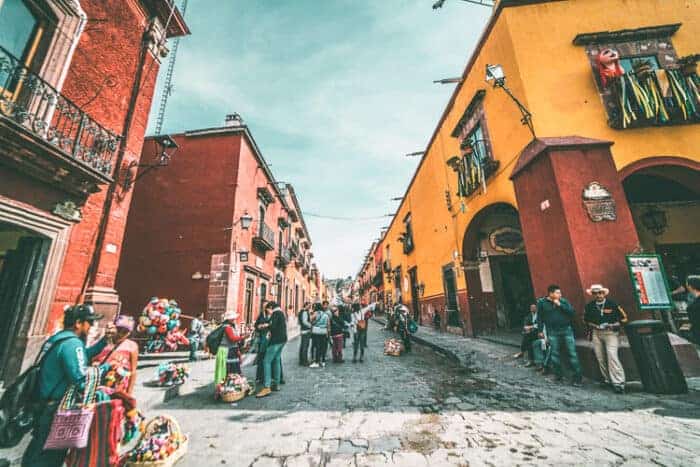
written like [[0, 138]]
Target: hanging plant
[[689, 64]]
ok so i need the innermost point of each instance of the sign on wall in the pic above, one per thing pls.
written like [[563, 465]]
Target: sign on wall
[[508, 240], [486, 276], [649, 282], [599, 203]]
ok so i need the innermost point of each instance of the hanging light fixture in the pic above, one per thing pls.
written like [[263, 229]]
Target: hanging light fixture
[[655, 220]]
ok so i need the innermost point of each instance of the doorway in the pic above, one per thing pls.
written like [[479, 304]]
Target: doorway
[[415, 299], [513, 288], [449, 281], [263, 296], [249, 286], [23, 258]]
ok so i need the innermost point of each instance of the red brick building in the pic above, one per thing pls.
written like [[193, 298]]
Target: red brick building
[[213, 229], [76, 86]]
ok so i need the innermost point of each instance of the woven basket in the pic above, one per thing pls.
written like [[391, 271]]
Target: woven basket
[[394, 354], [233, 396], [174, 428]]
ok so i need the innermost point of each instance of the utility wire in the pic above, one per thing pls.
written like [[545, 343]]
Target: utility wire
[[341, 218]]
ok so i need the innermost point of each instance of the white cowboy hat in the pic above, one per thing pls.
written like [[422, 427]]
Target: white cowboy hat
[[597, 288], [230, 316]]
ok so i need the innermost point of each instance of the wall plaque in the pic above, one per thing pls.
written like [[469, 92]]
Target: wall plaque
[[599, 203], [508, 240], [68, 210]]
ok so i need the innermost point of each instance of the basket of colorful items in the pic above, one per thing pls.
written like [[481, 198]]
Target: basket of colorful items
[[160, 322], [393, 347], [234, 388], [170, 374], [162, 444]]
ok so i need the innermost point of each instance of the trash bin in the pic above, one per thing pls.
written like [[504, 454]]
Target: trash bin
[[655, 358]]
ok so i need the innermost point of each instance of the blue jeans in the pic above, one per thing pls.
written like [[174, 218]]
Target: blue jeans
[[556, 339], [194, 346], [272, 363], [541, 357]]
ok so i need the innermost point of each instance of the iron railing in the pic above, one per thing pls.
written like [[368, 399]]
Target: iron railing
[[265, 237], [284, 254], [31, 102]]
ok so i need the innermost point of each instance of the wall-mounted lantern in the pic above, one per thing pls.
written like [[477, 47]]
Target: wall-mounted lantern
[[166, 148], [496, 76]]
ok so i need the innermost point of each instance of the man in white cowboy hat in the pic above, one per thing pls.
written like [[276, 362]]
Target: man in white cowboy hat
[[605, 318]]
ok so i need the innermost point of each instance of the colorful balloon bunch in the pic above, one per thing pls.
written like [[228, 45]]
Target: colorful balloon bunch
[[133, 425], [158, 446], [171, 374], [160, 321]]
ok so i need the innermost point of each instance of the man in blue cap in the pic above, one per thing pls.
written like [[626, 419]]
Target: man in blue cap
[[65, 359]]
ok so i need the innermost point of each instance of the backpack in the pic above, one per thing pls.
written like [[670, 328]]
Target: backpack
[[20, 404], [412, 327], [214, 339]]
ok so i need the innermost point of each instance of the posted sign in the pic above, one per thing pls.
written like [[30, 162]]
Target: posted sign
[[649, 281]]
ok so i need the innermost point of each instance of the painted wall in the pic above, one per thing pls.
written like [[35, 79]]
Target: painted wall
[[551, 77], [177, 222]]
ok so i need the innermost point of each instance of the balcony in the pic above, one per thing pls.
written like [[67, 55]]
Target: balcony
[[284, 257], [46, 136], [264, 238]]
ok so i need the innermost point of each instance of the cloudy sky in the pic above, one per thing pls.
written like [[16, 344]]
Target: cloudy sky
[[335, 92]]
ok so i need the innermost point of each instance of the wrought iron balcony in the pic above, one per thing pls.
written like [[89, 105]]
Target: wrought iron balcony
[[264, 238], [33, 113], [284, 256]]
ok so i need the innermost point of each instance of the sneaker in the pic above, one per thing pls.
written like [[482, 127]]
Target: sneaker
[[264, 392], [577, 383], [314, 365], [558, 379], [275, 388], [518, 355], [529, 364], [323, 364], [619, 389], [362, 361]]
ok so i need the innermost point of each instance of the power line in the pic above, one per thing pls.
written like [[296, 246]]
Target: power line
[[342, 218]]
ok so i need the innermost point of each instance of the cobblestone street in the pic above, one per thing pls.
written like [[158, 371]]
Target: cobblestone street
[[422, 409]]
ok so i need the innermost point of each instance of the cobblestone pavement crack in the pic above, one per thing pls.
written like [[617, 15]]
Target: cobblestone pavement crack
[[423, 409]]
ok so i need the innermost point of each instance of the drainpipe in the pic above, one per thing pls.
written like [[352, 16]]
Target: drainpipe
[[91, 275]]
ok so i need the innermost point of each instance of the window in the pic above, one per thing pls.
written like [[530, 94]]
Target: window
[[407, 236], [249, 285], [476, 164], [263, 296], [627, 63], [20, 32], [261, 224]]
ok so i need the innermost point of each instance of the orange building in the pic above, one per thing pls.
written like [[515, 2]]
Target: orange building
[[498, 209]]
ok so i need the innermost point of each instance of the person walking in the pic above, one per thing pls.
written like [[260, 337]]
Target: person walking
[[359, 332], [228, 356], [402, 324], [196, 335], [305, 331], [557, 315], [120, 357], [605, 317], [262, 334], [273, 355], [346, 314], [64, 364], [337, 330], [319, 333]]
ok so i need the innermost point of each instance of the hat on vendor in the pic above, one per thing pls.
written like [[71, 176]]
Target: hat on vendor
[[230, 316], [595, 288], [124, 322]]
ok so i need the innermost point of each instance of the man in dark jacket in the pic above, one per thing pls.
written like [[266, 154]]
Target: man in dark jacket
[[273, 355], [65, 363], [557, 315], [305, 332], [693, 283]]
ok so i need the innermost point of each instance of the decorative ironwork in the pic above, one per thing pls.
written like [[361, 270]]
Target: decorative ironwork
[[264, 238], [30, 101], [284, 256]]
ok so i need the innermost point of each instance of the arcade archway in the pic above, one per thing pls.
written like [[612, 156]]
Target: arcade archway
[[496, 268], [664, 198]]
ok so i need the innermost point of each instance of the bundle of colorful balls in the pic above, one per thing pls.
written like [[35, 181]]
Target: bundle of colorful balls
[[158, 445], [172, 374], [160, 322], [113, 374]]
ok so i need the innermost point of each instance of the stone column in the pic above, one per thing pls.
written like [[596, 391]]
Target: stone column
[[565, 244]]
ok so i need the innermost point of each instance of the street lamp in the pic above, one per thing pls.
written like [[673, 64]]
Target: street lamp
[[245, 220], [496, 76], [164, 143]]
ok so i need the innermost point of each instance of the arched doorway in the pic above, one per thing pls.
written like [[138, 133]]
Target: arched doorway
[[664, 197], [499, 287]]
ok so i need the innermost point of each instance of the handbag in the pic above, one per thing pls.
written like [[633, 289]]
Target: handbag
[[70, 427]]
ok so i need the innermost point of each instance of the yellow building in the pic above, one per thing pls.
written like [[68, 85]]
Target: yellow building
[[494, 213]]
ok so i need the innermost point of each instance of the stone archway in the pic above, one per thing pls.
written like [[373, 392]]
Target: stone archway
[[663, 194], [499, 287]]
